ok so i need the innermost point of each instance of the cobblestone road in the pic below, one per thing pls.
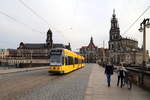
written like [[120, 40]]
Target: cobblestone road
[[39, 85], [88, 83]]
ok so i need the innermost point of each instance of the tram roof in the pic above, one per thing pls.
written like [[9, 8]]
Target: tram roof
[[70, 53]]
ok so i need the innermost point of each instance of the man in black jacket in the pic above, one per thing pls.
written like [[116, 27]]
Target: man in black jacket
[[109, 71]]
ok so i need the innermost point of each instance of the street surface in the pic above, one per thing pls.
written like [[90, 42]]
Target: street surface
[[39, 85], [8, 70], [88, 83], [98, 90]]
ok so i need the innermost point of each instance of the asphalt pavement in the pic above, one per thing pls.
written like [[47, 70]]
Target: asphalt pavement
[[7, 70], [39, 85]]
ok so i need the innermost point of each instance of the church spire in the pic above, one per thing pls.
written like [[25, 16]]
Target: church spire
[[91, 39], [49, 41], [91, 44], [114, 30], [114, 21], [114, 15]]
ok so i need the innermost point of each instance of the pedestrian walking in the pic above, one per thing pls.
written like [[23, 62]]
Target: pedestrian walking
[[121, 75], [109, 71]]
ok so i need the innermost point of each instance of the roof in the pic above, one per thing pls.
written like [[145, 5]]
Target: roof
[[69, 53], [91, 44], [33, 46], [129, 39], [56, 45], [3, 49], [84, 47], [39, 45]]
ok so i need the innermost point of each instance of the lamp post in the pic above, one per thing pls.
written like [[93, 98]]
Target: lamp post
[[134, 56], [145, 24]]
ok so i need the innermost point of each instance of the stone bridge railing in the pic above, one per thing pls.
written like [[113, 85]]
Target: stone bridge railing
[[140, 76]]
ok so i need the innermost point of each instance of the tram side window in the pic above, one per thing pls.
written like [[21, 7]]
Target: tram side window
[[82, 61], [66, 60], [76, 61], [70, 60], [79, 61], [63, 61]]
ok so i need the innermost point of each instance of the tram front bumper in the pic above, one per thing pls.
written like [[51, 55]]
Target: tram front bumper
[[56, 72]]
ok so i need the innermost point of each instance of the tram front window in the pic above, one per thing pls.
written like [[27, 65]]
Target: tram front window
[[55, 60]]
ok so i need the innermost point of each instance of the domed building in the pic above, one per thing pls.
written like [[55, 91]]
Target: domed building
[[123, 49]]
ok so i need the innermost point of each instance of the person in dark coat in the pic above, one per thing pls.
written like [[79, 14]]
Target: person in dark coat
[[109, 71]]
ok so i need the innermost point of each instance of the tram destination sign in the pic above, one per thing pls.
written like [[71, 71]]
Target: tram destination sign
[[55, 52]]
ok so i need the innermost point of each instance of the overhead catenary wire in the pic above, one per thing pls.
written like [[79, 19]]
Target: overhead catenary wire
[[39, 16], [136, 20], [34, 12], [19, 22]]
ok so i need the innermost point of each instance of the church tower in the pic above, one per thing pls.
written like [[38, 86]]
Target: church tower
[[49, 41], [114, 30], [91, 41], [91, 44]]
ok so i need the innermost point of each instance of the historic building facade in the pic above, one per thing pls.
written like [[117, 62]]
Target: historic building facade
[[123, 49], [103, 56], [39, 50], [4, 53], [34, 54], [90, 52]]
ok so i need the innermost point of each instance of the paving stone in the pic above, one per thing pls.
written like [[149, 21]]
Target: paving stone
[[97, 88]]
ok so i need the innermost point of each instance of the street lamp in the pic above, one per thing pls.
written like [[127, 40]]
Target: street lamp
[[145, 24], [134, 56], [141, 29]]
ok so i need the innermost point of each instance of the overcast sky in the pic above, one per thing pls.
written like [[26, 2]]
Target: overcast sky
[[73, 21]]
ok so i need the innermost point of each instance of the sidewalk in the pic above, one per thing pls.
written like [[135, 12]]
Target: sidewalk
[[97, 88], [8, 71]]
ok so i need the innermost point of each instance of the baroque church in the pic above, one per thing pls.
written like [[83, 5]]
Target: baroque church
[[39, 50], [123, 49]]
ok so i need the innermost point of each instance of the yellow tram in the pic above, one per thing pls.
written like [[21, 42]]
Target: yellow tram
[[64, 61]]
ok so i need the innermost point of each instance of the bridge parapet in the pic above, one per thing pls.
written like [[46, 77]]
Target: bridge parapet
[[140, 76]]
